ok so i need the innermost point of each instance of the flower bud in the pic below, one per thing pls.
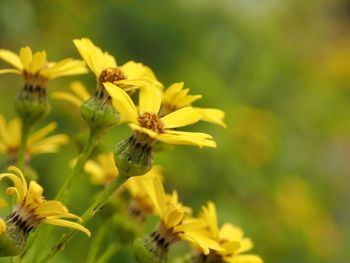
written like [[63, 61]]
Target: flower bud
[[13, 241], [133, 157], [147, 250], [99, 113], [32, 104]]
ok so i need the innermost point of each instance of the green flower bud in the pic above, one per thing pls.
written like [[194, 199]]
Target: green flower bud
[[13, 241], [98, 112], [133, 157], [147, 250], [32, 103]]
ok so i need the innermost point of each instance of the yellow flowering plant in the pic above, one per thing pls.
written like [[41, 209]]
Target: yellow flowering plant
[[130, 94]]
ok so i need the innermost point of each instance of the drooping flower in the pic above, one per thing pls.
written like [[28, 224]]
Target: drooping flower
[[230, 237], [175, 224], [176, 97], [31, 210], [38, 142], [149, 126]]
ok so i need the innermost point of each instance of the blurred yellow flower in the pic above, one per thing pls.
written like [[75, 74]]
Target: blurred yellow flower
[[176, 97], [256, 135], [38, 143], [129, 76], [32, 209], [103, 170], [175, 224], [35, 68], [146, 121], [230, 237], [78, 95], [141, 204]]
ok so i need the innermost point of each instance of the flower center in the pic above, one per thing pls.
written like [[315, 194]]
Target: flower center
[[111, 75], [151, 121]]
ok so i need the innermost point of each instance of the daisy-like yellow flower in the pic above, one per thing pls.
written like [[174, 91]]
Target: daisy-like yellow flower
[[176, 97], [174, 225], [38, 142], [149, 126], [31, 210], [78, 95], [128, 76], [230, 237], [35, 68]]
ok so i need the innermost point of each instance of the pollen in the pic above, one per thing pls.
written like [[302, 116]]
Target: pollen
[[112, 75], [151, 121]]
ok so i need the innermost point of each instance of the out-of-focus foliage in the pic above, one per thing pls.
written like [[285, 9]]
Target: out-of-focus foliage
[[279, 69]]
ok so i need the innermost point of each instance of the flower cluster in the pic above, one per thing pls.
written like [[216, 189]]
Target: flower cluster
[[131, 94]]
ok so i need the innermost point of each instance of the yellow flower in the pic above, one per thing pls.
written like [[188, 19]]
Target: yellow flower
[[141, 205], [128, 76], [103, 170], [230, 237], [176, 97], [146, 121], [35, 68], [77, 97], [38, 143], [32, 209], [175, 223]]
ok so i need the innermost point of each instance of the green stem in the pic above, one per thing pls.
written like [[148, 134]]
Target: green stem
[[64, 191], [110, 251], [22, 147], [87, 216], [96, 243]]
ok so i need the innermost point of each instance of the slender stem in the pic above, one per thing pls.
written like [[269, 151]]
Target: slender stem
[[42, 234], [22, 147], [96, 243], [109, 252], [86, 217], [64, 191]]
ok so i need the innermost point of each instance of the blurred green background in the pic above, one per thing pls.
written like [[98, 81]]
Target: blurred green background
[[280, 71]]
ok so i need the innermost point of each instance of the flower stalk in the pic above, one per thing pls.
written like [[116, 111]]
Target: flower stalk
[[87, 216], [64, 191]]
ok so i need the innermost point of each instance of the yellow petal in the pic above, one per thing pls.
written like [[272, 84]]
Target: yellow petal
[[246, 259], [66, 67], [51, 208], [68, 224], [49, 145], [26, 56], [181, 117], [202, 241], [186, 139], [11, 58], [150, 100], [2, 226], [213, 115], [39, 61], [38, 135], [61, 95], [122, 102], [79, 90], [5, 71]]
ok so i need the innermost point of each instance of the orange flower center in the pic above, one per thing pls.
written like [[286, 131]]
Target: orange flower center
[[151, 121], [112, 75]]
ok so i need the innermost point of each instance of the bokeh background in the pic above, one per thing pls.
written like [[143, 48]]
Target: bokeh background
[[280, 71]]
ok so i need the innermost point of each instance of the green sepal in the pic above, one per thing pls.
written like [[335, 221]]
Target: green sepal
[[99, 114], [147, 251], [132, 157], [13, 241]]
